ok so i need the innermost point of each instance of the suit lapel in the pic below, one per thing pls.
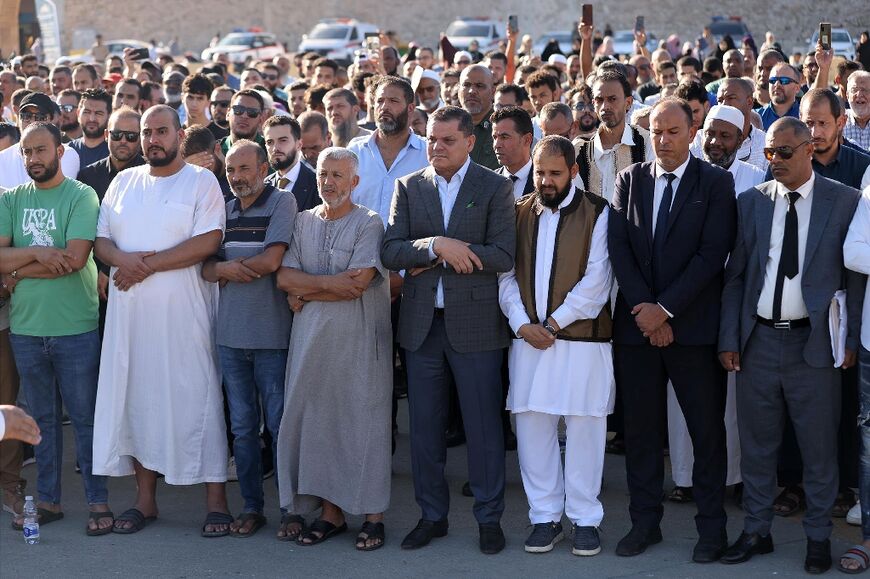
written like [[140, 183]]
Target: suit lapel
[[687, 185], [764, 222], [647, 188], [530, 181], [823, 203], [431, 198], [464, 198]]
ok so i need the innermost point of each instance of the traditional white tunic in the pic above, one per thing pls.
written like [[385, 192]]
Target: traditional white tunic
[[159, 396], [568, 378]]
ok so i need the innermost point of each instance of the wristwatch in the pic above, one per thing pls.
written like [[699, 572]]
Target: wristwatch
[[549, 327]]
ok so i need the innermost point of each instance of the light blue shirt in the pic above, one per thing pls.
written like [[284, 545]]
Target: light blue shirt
[[447, 192], [376, 182]]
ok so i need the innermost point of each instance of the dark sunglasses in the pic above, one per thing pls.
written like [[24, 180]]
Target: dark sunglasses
[[222, 104], [783, 80], [251, 112], [130, 136], [39, 117], [583, 107], [785, 152], [67, 108]]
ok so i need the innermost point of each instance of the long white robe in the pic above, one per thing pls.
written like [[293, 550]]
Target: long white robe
[[159, 396]]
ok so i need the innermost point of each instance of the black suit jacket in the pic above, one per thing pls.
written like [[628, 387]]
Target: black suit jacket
[[304, 189], [530, 178], [688, 278]]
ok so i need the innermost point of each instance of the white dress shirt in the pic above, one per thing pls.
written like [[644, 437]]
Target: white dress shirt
[[605, 160], [746, 176], [793, 306], [661, 183], [522, 177], [447, 192], [856, 255]]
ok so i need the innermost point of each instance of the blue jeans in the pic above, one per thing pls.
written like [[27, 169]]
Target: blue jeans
[[51, 369], [246, 372], [864, 427]]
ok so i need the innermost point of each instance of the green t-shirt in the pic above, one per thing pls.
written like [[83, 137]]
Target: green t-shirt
[[63, 306]]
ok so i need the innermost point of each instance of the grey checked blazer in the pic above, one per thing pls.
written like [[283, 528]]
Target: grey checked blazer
[[483, 216], [823, 272]]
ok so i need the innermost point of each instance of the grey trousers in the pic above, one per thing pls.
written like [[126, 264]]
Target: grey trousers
[[774, 377]]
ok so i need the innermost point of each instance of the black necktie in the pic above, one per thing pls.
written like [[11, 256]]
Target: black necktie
[[662, 215], [514, 178], [788, 258]]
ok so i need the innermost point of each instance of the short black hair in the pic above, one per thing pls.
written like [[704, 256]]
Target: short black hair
[[520, 117], [520, 94], [396, 81], [327, 62], [817, 95], [541, 78], [690, 61], [44, 125], [451, 113], [684, 106], [496, 55], [713, 64], [98, 94], [613, 65], [148, 88], [197, 139], [62, 69], [70, 92], [284, 121], [346, 94], [358, 81], [133, 82], [197, 84], [613, 76], [693, 91], [89, 68], [666, 64], [10, 130], [556, 145], [798, 127], [314, 119], [299, 85], [314, 95], [249, 93]]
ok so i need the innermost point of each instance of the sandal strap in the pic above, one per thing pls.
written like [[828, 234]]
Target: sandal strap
[[218, 518], [245, 517], [321, 526], [96, 516], [858, 553], [289, 519], [133, 515], [373, 530]]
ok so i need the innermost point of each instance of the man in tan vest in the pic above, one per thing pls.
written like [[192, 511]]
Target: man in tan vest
[[560, 360]]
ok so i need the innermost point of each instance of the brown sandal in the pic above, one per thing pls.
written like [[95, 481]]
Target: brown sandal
[[790, 500]]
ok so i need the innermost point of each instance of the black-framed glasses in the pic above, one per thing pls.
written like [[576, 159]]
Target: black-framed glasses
[[222, 104], [783, 80], [129, 136], [581, 106], [785, 152], [67, 108], [242, 110], [39, 117]]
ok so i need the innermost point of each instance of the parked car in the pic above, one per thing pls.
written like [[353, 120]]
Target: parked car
[[563, 37], [336, 38], [487, 33], [841, 42], [242, 47], [623, 42], [116, 47], [732, 26]]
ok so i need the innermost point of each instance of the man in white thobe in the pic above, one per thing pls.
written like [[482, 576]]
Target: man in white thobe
[[561, 363], [159, 402]]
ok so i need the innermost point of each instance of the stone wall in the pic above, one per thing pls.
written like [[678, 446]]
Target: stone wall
[[793, 21]]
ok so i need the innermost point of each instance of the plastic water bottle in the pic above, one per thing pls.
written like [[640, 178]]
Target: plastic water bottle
[[31, 522]]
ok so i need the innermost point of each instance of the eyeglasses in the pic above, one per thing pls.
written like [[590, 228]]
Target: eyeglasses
[[785, 152], [580, 106], [67, 108], [251, 112], [222, 104], [129, 136], [783, 80], [39, 117]]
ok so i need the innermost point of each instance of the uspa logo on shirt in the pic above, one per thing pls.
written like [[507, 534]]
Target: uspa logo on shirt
[[37, 223]]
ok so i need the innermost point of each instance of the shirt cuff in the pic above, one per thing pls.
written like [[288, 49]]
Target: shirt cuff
[[670, 315], [563, 317], [432, 255], [517, 320], [2, 426]]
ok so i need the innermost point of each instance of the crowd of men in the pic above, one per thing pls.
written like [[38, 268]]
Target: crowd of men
[[226, 276]]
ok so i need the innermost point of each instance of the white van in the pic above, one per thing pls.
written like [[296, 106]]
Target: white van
[[336, 38]]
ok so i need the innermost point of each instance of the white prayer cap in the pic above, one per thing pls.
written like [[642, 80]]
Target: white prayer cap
[[725, 113], [557, 59], [462, 54], [420, 73]]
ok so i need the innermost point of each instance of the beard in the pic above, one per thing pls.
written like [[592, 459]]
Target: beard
[[344, 131], [123, 154], [171, 155], [555, 201], [393, 126], [243, 189], [725, 161], [284, 163], [51, 170], [588, 123], [93, 134], [69, 127]]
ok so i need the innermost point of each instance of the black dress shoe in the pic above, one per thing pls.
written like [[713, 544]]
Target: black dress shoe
[[491, 538], [637, 540], [466, 490], [455, 437], [747, 545], [818, 556], [424, 532], [710, 551]]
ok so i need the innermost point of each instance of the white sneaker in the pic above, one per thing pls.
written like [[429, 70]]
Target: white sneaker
[[853, 517], [232, 475]]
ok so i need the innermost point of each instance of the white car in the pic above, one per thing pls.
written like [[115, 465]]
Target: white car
[[242, 47], [841, 42], [487, 33], [116, 47], [336, 38]]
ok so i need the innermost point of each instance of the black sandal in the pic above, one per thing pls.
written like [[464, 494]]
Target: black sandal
[[216, 518], [136, 517], [681, 495], [286, 520], [318, 532], [96, 516], [789, 501], [372, 531], [259, 522]]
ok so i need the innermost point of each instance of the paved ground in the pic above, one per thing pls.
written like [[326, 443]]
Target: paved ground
[[172, 547]]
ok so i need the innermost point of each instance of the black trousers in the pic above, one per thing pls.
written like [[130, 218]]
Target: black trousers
[[642, 374]]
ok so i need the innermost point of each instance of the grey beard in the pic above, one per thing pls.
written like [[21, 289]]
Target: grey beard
[[343, 132], [724, 162]]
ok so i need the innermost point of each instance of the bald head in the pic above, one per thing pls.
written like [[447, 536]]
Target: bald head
[[792, 126], [476, 91], [161, 110], [247, 167]]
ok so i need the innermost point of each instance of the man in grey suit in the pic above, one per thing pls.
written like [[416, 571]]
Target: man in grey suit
[[451, 228], [786, 265]]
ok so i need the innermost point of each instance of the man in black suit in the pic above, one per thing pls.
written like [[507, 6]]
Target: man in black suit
[[452, 230], [673, 224], [512, 135], [283, 137]]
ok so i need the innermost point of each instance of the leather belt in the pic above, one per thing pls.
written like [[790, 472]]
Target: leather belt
[[783, 324]]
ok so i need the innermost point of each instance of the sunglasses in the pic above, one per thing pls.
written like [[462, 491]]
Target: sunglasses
[[251, 112], [783, 80], [67, 108], [784, 152], [222, 104], [39, 117], [583, 107], [129, 136]]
